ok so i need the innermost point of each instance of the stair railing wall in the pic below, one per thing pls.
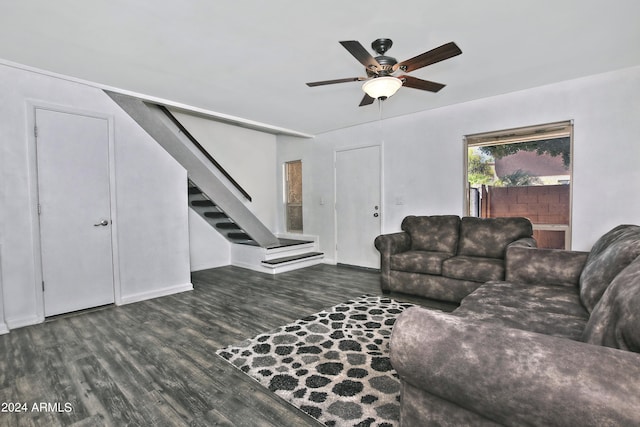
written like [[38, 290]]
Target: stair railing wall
[[200, 169], [206, 153]]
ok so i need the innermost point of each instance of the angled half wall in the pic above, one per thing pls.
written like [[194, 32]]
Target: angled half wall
[[202, 173]]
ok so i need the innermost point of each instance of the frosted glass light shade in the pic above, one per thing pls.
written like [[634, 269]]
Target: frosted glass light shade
[[381, 87]]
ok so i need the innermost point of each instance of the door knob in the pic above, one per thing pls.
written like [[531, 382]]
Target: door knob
[[103, 223], [375, 215]]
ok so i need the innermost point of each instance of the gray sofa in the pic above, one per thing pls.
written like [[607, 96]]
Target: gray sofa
[[446, 257], [555, 344]]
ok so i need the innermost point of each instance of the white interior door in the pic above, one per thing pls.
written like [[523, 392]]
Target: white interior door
[[75, 212], [358, 212]]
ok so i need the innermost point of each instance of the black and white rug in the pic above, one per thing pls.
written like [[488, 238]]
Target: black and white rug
[[333, 365]]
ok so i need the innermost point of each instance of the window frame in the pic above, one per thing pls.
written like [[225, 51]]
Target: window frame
[[518, 135], [286, 201]]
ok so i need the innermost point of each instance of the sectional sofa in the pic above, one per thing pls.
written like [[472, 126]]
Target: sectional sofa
[[557, 343]]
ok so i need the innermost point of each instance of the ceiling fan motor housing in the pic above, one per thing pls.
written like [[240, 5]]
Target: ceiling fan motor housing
[[380, 46]]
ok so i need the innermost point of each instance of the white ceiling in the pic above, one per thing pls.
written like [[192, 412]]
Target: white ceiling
[[250, 59]]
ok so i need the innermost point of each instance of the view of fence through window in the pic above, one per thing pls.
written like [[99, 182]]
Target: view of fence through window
[[524, 173], [293, 183]]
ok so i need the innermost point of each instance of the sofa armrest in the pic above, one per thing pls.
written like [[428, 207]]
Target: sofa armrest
[[515, 377], [389, 244], [548, 266], [525, 242]]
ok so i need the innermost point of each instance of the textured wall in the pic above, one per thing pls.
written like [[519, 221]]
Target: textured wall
[[542, 204]]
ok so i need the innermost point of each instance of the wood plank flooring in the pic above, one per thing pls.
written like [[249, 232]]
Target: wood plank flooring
[[153, 363]]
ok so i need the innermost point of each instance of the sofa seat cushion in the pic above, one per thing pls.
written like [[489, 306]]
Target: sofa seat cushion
[[540, 297], [489, 237], [533, 320], [436, 233], [546, 309], [419, 262], [477, 269]]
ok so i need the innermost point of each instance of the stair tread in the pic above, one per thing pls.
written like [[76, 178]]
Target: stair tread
[[227, 226], [241, 236], [246, 242], [283, 243], [201, 203], [215, 215], [292, 258]]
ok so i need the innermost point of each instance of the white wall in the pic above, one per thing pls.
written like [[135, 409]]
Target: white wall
[[3, 324], [247, 155], [207, 247], [151, 198], [423, 154]]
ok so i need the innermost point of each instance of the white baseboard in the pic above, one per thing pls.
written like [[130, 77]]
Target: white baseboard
[[22, 322], [4, 329], [142, 296], [200, 267]]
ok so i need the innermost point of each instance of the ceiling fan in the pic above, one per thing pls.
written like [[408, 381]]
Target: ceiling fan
[[380, 82]]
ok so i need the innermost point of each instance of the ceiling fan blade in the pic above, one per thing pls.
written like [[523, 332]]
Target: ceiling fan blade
[[438, 54], [366, 100], [361, 54], [330, 82], [417, 83]]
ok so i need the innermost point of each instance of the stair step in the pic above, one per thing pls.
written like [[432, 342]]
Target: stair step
[[216, 215], [286, 259], [227, 226], [202, 203], [285, 243], [239, 236]]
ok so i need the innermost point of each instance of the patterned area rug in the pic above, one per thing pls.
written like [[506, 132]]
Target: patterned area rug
[[333, 365]]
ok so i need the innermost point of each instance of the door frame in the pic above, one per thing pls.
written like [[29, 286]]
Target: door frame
[[32, 106], [380, 147]]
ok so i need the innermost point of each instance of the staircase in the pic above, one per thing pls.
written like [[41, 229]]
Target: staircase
[[215, 216], [285, 255], [212, 195]]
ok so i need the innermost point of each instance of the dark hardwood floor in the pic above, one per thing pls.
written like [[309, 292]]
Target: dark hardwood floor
[[153, 363]]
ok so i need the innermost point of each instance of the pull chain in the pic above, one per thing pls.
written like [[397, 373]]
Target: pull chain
[[380, 101]]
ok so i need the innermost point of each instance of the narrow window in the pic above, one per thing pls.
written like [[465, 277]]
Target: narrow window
[[523, 172], [293, 194]]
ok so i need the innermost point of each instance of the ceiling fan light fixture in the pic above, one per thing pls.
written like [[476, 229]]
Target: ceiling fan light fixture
[[382, 87]]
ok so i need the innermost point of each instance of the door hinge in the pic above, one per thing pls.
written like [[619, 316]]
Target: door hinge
[[39, 209], [35, 131], [43, 286]]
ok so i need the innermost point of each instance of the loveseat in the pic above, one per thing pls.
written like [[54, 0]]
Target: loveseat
[[446, 257], [556, 343]]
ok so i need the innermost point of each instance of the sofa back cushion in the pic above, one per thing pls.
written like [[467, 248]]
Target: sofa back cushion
[[615, 320], [489, 237], [438, 233], [609, 256]]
